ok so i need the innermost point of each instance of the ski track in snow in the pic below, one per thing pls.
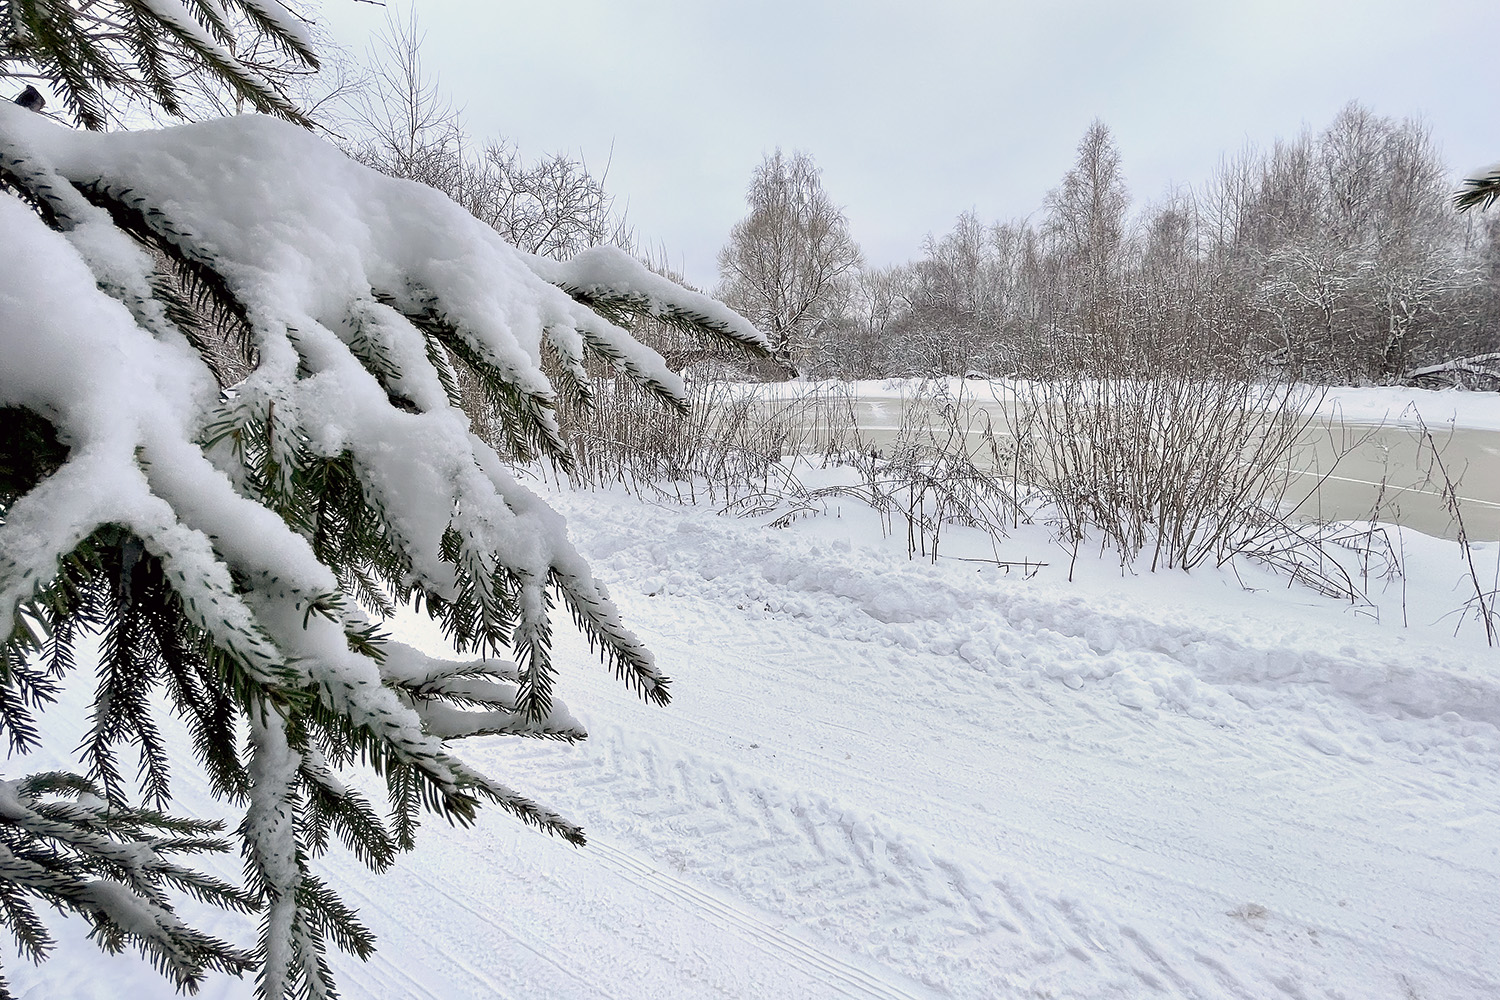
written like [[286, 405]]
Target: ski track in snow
[[895, 780], [886, 780], [1118, 710]]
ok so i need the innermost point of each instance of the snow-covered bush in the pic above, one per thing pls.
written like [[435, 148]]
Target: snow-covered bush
[[236, 545]]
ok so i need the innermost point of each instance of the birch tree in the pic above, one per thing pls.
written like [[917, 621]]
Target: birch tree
[[786, 262]]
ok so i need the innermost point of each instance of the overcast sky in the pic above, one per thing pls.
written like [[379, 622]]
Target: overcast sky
[[920, 109]]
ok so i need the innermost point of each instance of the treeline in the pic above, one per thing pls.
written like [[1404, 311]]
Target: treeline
[[1334, 256]]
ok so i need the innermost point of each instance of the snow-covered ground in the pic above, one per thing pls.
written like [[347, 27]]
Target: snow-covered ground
[[884, 778], [1402, 406]]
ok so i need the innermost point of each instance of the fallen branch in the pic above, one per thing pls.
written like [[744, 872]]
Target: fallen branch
[[1474, 365]]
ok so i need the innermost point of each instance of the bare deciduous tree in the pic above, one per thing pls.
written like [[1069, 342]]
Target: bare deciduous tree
[[865, 338], [1086, 221], [786, 263], [404, 126]]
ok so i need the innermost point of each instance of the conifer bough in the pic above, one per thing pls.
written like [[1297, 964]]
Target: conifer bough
[[235, 546], [1479, 190], [95, 53]]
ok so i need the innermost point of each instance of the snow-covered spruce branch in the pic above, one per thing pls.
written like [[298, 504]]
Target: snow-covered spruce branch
[[231, 541], [616, 286], [61, 844], [153, 51], [1481, 189]]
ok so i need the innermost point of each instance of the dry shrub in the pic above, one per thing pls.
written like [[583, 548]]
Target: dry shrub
[[1187, 466], [729, 444], [945, 464]]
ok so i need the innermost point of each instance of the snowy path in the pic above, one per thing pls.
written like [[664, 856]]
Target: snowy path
[[1021, 791], [884, 779]]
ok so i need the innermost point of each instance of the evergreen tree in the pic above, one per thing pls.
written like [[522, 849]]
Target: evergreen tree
[[230, 444]]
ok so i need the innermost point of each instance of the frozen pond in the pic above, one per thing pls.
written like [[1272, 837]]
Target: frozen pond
[[1348, 465]]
